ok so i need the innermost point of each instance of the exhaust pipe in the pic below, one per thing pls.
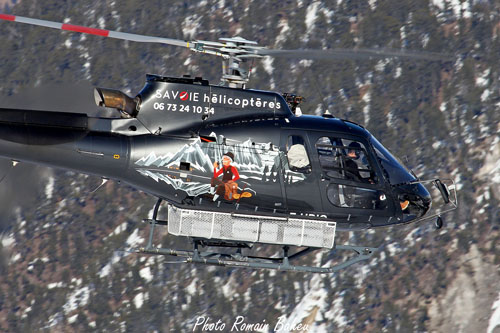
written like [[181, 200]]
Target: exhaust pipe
[[116, 99]]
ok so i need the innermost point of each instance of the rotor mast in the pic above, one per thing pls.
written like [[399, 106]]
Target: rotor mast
[[232, 74], [234, 52]]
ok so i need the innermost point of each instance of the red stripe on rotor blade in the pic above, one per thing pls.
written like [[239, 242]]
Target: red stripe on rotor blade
[[208, 139], [7, 17], [85, 30]]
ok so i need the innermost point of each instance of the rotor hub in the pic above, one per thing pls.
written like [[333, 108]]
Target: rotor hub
[[234, 51]]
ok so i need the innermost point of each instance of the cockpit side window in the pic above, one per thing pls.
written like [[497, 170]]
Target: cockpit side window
[[298, 159], [345, 159]]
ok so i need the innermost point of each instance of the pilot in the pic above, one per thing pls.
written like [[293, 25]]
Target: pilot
[[351, 165], [227, 186]]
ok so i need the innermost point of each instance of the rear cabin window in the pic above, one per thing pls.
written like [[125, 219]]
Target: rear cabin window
[[345, 159]]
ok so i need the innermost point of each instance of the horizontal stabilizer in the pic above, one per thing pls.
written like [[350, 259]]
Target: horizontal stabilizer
[[41, 127], [44, 118]]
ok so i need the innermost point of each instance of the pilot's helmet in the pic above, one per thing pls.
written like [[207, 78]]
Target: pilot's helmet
[[355, 147]]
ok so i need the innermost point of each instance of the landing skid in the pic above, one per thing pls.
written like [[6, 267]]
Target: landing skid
[[239, 260]]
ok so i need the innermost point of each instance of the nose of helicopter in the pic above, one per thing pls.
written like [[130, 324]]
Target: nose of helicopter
[[415, 200]]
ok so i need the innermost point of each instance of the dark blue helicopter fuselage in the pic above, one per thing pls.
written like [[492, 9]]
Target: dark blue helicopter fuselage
[[211, 148]]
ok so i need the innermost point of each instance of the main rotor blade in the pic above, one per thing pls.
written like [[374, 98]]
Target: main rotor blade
[[361, 54], [247, 49], [95, 31]]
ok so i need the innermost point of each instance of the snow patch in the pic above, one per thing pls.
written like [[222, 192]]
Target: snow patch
[[78, 282], [314, 303], [314, 300], [60, 208], [361, 274], [191, 289], [380, 66], [491, 167], [49, 187], [134, 239], [425, 40], [21, 226], [482, 79], [8, 241], [442, 107], [114, 259], [15, 258], [393, 248], [79, 297], [398, 72], [72, 319], [146, 274], [495, 317], [328, 14], [227, 290], [336, 313], [311, 14], [267, 62], [118, 230], [32, 263], [366, 109], [485, 95], [402, 34], [25, 313], [53, 285], [139, 299], [54, 320], [190, 26], [390, 119], [284, 28], [458, 7], [101, 22], [412, 236], [306, 63], [436, 145]]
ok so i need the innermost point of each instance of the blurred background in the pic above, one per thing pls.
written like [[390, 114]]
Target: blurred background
[[60, 264]]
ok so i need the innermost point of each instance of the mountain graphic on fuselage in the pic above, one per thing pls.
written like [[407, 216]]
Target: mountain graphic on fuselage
[[249, 157], [192, 154], [191, 188]]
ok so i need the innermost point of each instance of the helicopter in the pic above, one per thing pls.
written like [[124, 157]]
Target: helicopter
[[236, 166]]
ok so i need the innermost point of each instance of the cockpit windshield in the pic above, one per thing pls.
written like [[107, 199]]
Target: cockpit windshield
[[394, 170]]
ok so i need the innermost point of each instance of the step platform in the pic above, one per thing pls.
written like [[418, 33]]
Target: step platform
[[251, 228]]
